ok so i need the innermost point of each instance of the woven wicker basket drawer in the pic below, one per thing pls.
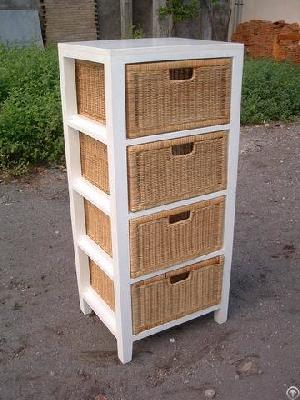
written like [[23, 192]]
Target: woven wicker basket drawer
[[166, 171], [90, 89], [93, 161], [97, 226], [170, 296], [177, 95], [169, 237], [102, 284]]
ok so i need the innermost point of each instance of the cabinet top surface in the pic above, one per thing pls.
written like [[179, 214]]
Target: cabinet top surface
[[129, 45]]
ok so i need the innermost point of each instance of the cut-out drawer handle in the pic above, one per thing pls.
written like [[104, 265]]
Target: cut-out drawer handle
[[181, 74], [182, 149], [179, 278], [183, 216]]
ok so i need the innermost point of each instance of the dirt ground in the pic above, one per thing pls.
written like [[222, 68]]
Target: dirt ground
[[49, 350]]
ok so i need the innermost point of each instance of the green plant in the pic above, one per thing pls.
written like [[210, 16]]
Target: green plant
[[271, 91], [180, 10], [30, 108], [136, 32]]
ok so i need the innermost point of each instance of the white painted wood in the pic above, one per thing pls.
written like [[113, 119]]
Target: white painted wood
[[99, 256], [116, 128], [100, 308], [176, 204], [177, 134], [114, 55], [92, 128], [233, 152], [175, 322], [93, 194], [68, 95]]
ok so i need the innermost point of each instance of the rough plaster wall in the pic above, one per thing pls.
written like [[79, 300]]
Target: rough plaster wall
[[271, 10], [109, 19]]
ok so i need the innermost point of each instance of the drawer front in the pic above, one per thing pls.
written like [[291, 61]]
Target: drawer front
[[93, 161], [102, 284], [177, 95], [90, 90], [170, 296], [160, 240], [97, 226], [166, 171]]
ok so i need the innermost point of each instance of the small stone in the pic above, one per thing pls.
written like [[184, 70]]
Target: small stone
[[100, 397], [56, 232], [172, 340], [52, 373], [209, 393], [248, 366]]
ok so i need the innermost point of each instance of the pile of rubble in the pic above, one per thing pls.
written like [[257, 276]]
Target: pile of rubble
[[265, 39]]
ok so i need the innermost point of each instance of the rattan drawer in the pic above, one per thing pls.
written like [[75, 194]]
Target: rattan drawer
[[97, 226], [177, 95], [182, 292], [166, 171], [102, 284], [90, 90], [160, 240], [93, 161]]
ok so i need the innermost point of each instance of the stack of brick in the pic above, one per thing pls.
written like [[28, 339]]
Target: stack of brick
[[259, 38], [69, 20]]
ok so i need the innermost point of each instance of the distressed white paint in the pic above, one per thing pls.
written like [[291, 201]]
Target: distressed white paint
[[99, 256], [114, 55], [93, 194], [233, 152], [89, 127]]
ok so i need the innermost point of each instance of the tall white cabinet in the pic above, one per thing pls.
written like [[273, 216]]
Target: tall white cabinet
[[151, 138]]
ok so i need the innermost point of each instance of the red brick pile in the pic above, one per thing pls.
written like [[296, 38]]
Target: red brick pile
[[259, 38]]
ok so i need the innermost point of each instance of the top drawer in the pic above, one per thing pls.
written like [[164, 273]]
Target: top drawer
[[177, 95]]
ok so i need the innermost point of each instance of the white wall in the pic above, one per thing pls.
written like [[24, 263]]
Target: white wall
[[271, 10]]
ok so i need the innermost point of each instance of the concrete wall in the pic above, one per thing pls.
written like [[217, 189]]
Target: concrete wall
[[19, 4], [271, 10]]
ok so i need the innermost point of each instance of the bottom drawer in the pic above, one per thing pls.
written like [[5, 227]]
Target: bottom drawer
[[170, 296], [102, 284]]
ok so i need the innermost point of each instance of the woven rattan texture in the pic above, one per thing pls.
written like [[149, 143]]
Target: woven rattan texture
[[165, 298], [94, 164], [97, 225], [166, 171], [90, 90], [102, 284], [156, 102], [169, 237]]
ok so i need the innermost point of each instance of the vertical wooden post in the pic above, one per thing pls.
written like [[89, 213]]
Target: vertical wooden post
[[126, 18], [161, 27]]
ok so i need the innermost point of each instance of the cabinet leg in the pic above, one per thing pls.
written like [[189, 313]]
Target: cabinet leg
[[220, 315], [125, 350], [84, 307]]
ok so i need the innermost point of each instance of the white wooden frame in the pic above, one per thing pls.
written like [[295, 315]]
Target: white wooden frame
[[114, 55]]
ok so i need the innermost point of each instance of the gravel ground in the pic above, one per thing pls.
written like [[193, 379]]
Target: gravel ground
[[49, 350]]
